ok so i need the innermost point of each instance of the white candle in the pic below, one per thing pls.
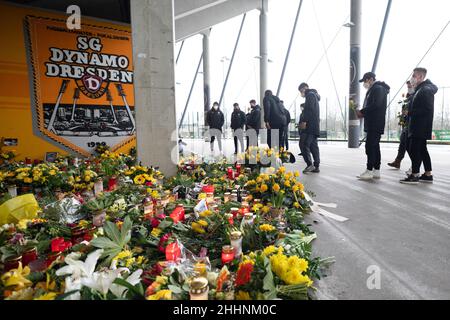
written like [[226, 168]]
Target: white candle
[[12, 190], [236, 242], [198, 289]]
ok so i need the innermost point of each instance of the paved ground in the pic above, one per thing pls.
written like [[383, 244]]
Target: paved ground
[[403, 230]]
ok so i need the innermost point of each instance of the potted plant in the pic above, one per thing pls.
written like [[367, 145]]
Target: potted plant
[[98, 208]]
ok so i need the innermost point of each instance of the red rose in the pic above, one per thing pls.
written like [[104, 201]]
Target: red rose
[[155, 223]]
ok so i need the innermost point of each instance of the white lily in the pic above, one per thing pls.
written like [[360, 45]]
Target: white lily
[[102, 281], [77, 268], [72, 285], [133, 279]]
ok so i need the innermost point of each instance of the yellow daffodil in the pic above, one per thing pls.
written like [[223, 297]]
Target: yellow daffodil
[[161, 295], [276, 187], [23, 224], [287, 184], [266, 228], [263, 188], [269, 250], [123, 255], [203, 223], [265, 209]]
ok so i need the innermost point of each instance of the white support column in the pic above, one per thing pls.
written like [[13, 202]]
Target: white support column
[[264, 54], [153, 30], [206, 73]]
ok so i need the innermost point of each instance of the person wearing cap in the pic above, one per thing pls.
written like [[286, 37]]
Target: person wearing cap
[[310, 128], [374, 114], [403, 147]]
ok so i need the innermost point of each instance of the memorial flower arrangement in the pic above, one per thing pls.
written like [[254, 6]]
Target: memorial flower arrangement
[[150, 238]]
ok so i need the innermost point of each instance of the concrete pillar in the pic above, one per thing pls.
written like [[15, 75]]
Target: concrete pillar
[[264, 54], [355, 73], [153, 29], [206, 73]]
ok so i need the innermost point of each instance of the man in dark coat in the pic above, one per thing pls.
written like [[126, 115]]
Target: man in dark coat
[[215, 121], [374, 114], [310, 128], [253, 124], [238, 120], [274, 118], [421, 113], [404, 119]]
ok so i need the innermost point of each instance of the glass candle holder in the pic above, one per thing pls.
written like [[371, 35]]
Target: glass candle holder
[[198, 289], [12, 190], [236, 242], [248, 218], [227, 254], [12, 263], [147, 203], [226, 197], [238, 168], [200, 268], [209, 197], [112, 183], [159, 210], [29, 256], [98, 186]]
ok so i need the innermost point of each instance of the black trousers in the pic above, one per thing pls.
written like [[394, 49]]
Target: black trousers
[[373, 150], [286, 138], [403, 147], [280, 137], [419, 153], [308, 146]]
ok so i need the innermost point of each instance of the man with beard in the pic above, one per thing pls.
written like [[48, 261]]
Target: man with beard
[[253, 124]]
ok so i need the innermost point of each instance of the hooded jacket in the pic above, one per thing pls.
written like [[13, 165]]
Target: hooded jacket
[[238, 120], [375, 105], [421, 111], [273, 112], [254, 118], [311, 113], [215, 119]]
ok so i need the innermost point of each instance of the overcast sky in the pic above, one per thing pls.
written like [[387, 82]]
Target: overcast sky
[[413, 26]]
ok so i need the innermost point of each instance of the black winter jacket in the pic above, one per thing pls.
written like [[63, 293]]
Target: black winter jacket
[[374, 109], [273, 112], [254, 118], [421, 111], [215, 119], [238, 120], [311, 112]]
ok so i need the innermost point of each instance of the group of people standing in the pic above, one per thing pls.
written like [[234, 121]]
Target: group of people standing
[[417, 126], [276, 120]]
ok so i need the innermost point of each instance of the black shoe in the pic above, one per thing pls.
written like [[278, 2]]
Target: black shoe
[[426, 179], [410, 180], [300, 154], [316, 170]]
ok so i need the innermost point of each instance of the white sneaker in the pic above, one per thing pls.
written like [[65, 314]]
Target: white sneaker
[[366, 175], [376, 174], [409, 172], [309, 169]]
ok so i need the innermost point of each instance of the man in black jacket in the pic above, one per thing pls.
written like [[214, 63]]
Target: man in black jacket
[[253, 124], [310, 128], [374, 114], [215, 121], [238, 120], [404, 119], [421, 113], [274, 118]]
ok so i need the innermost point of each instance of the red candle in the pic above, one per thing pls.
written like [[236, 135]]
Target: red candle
[[227, 254], [234, 212], [112, 183], [230, 173], [29, 256], [238, 168], [177, 214], [173, 252]]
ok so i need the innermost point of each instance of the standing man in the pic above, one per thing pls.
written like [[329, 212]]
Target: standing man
[[253, 124], [310, 128], [420, 127], [215, 120], [238, 120], [274, 118], [300, 120], [374, 114], [286, 126], [404, 118]]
